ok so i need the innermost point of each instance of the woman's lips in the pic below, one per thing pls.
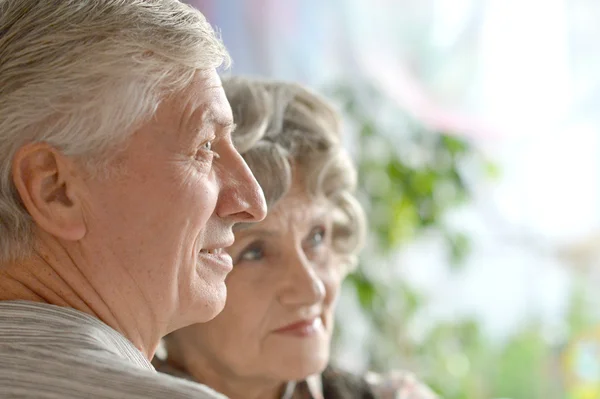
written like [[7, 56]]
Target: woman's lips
[[303, 328]]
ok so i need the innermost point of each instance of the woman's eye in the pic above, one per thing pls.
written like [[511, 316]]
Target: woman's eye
[[252, 254], [207, 146], [316, 236]]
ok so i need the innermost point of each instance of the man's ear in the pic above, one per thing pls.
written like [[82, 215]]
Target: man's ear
[[48, 183]]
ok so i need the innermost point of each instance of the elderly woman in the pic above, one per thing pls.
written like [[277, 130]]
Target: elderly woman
[[119, 188], [272, 339]]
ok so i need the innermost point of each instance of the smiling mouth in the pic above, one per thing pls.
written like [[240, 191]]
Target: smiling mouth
[[217, 259], [214, 251]]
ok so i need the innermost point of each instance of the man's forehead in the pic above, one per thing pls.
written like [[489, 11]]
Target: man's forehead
[[217, 112], [205, 104], [206, 88], [208, 77]]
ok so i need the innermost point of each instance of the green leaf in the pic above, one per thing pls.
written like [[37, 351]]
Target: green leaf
[[454, 145], [404, 221], [460, 247], [365, 290], [491, 170]]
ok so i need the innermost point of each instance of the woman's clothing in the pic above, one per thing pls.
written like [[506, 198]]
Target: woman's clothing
[[334, 383]]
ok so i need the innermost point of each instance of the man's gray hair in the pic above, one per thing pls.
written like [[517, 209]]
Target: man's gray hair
[[82, 75], [283, 125]]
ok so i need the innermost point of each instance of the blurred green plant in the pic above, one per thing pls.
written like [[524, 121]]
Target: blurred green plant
[[411, 178]]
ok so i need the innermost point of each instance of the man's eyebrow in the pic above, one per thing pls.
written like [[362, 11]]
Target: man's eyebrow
[[210, 116]]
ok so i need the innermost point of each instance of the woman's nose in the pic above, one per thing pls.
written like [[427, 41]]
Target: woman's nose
[[303, 286]]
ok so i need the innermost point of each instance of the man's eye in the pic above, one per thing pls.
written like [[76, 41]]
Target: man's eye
[[207, 149]]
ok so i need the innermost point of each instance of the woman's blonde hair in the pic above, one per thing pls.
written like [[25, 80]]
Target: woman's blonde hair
[[81, 75], [280, 124]]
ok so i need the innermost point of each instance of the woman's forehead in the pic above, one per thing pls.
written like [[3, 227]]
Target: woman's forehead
[[295, 209], [299, 208]]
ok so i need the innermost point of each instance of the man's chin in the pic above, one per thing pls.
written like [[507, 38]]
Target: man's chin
[[214, 304], [206, 305]]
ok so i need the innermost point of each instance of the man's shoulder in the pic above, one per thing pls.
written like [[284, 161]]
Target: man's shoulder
[[46, 374]]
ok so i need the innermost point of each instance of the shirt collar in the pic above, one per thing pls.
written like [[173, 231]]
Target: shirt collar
[[311, 388], [81, 329]]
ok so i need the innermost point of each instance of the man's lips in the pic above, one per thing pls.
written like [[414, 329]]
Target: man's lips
[[218, 259]]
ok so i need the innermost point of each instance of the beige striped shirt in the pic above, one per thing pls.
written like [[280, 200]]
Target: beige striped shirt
[[52, 352]]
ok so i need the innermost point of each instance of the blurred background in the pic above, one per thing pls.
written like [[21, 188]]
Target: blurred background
[[475, 126]]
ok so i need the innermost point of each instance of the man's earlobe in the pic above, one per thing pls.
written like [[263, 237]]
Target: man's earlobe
[[47, 182]]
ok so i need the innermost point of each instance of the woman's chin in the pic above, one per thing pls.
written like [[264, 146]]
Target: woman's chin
[[303, 367]]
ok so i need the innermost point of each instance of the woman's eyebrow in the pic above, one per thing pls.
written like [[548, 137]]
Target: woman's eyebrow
[[257, 232]]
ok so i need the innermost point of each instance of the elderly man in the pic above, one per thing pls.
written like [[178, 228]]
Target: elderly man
[[119, 187]]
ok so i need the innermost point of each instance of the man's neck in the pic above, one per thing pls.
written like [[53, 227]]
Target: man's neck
[[49, 276]]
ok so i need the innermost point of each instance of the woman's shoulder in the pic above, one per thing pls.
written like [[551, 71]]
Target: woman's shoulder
[[339, 384], [399, 384], [393, 385]]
